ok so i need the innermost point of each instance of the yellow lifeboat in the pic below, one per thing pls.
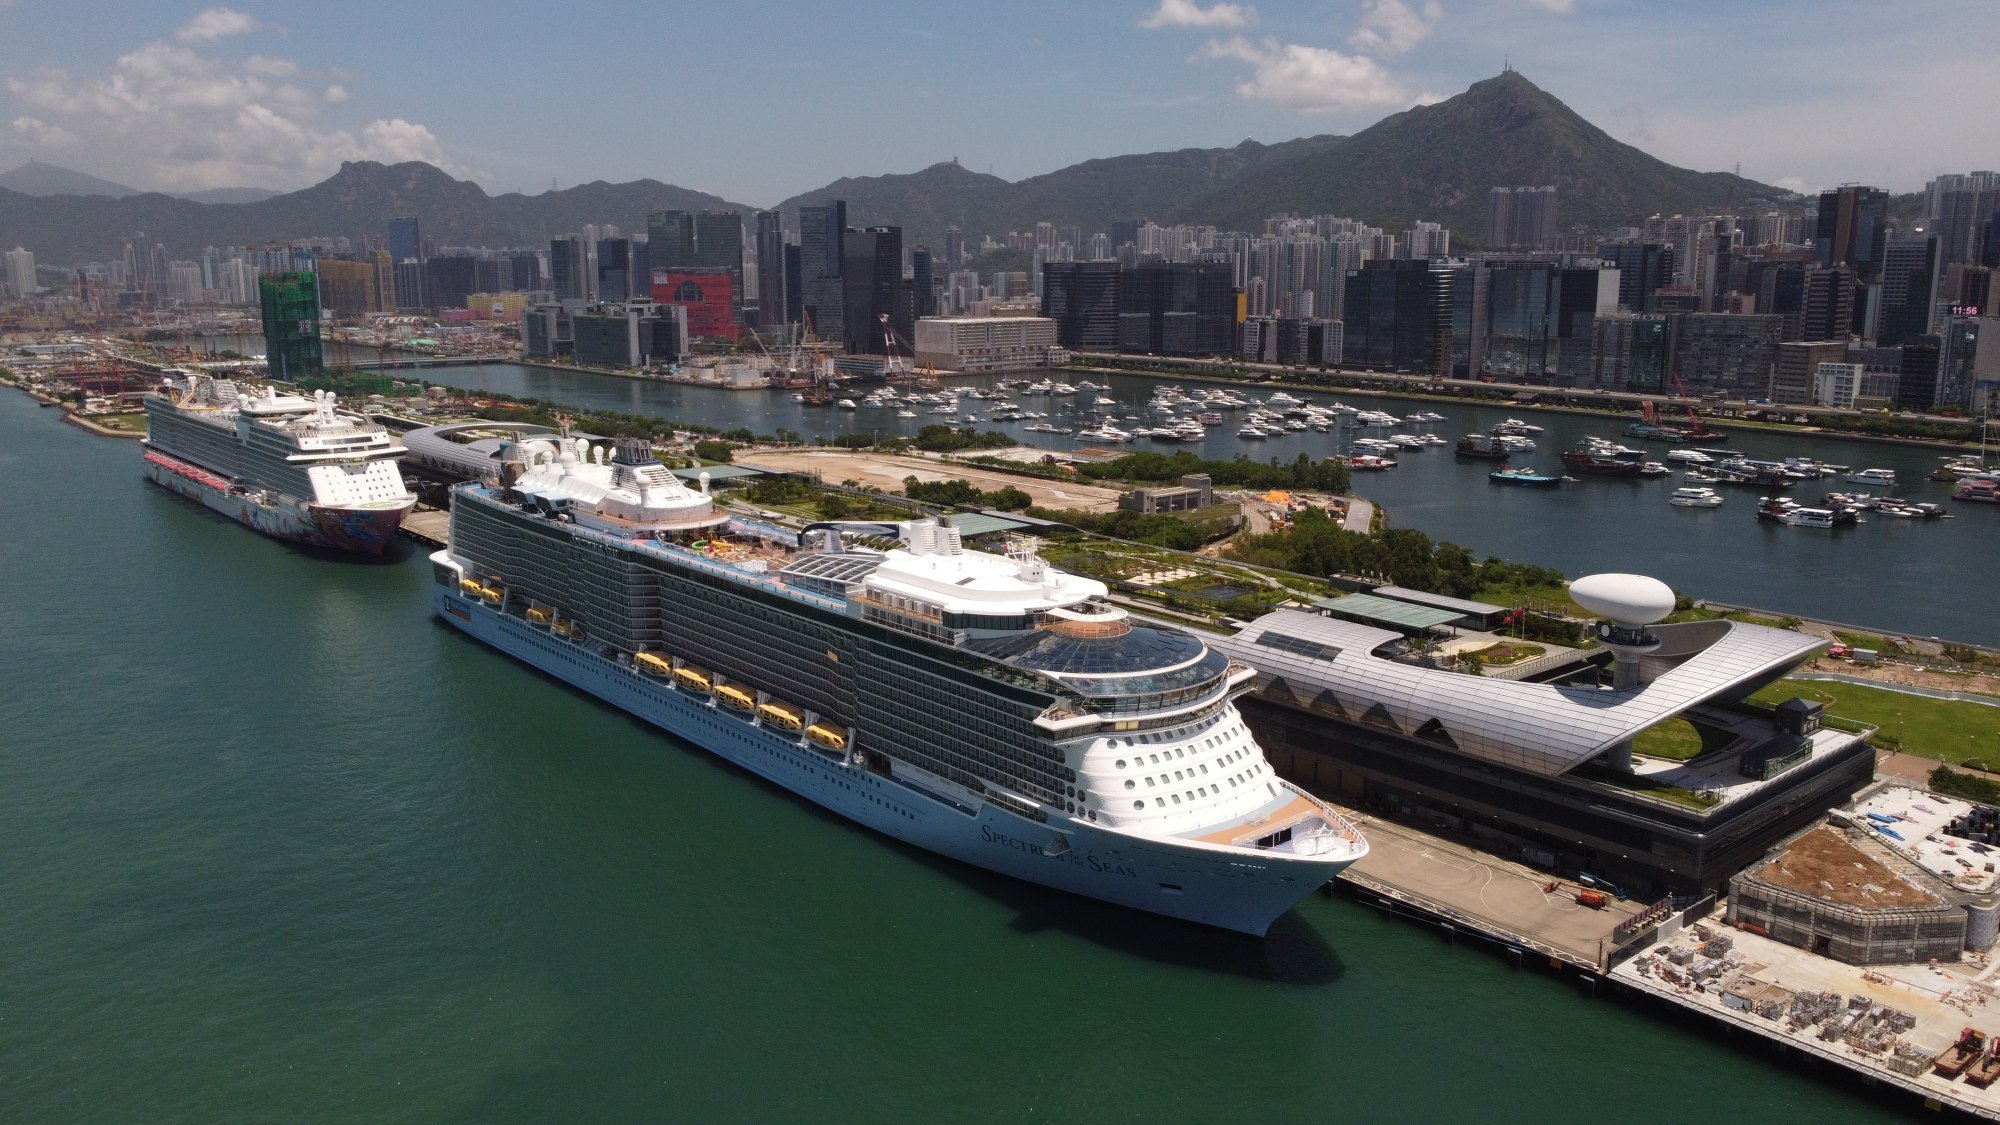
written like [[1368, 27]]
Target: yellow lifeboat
[[833, 736], [541, 615], [470, 587], [736, 698], [692, 678], [784, 716], [575, 629], [653, 662], [492, 594]]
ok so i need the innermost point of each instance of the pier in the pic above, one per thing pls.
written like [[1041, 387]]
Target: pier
[[427, 525]]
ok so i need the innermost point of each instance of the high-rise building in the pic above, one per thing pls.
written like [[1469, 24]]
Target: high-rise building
[[527, 271], [290, 305], [1960, 206], [1726, 353], [718, 244], [1529, 317], [1520, 218], [1125, 232], [21, 272], [1398, 317], [823, 299], [449, 280], [1908, 290], [793, 302], [1852, 227], [954, 248], [1917, 374], [1968, 356], [1631, 352], [615, 279], [1829, 304], [568, 268], [1178, 308], [874, 296], [1796, 366], [348, 288], [1082, 299], [771, 276], [670, 239], [406, 240], [923, 283]]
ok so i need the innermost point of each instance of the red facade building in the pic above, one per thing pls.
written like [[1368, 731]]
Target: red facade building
[[707, 294]]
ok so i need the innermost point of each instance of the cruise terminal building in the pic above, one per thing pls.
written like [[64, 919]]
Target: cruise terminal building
[[1543, 769]]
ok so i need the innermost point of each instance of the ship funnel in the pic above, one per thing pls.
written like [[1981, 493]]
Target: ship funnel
[[704, 484], [923, 537], [948, 540]]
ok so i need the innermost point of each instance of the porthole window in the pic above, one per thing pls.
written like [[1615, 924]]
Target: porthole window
[[1138, 804], [1121, 763], [1130, 784]]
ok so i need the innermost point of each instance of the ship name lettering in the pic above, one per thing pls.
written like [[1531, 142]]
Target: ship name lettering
[[1097, 864]]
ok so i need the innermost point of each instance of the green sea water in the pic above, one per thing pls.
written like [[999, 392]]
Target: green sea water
[[276, 847]]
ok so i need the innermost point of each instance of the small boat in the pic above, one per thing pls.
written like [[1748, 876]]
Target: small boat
[[1979, 490], [848, 404], [906, 414], [736, 698], [1368, 462], [1775, 507], [1696, 476], [1902, 511], [1524, 477], [653, 662], [1819, 517], [1689, 457], [693, 678], [1695, 498], [1516, 427], [1482, 447], [1884, 477]]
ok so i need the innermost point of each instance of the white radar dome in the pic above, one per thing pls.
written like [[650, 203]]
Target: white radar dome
[[1628, 599]]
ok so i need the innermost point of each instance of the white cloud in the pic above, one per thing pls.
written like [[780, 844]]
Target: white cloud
[[215, 23], [36, 133], [1187, 13], [1559, 7], [1312, 79], [170, 117], [1794, 184], [1390, 27]]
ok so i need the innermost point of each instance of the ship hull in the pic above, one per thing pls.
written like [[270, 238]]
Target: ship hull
[[365, 531], [1233, 889]]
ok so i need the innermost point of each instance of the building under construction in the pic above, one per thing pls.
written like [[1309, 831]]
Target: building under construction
[[1838, 893], [290, 303]]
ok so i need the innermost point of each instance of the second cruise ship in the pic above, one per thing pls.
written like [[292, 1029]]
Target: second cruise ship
[[986, 707]]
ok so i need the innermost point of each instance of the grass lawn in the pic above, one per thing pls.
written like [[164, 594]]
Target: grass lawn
[[1676, 739], [1944, 729], [130, 423]]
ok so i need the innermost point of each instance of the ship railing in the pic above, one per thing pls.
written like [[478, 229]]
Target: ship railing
[[764, 581], [1323, 838]]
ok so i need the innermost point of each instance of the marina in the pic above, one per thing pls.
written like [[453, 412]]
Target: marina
[[1592, 525]]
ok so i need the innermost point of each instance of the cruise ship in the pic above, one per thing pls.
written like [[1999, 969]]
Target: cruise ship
[[987, 707], [292, 467]]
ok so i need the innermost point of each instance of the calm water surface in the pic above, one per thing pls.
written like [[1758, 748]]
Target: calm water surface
[[1923, 578], [279, 848]]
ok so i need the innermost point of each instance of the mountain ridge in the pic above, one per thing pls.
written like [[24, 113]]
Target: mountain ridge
[[1433, 162]]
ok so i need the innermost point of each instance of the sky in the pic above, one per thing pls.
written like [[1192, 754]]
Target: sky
[[757, 101]]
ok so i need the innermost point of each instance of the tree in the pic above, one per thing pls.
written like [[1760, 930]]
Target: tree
[[834, 506], [1009, 499], [711, 450]]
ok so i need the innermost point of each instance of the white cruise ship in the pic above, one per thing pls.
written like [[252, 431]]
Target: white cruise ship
[[294, 468], [986, 707]]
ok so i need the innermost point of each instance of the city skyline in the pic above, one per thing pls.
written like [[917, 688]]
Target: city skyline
[[185, 97]]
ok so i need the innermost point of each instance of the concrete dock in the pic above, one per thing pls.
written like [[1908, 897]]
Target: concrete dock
[[427, 525], [1942, 1001]]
